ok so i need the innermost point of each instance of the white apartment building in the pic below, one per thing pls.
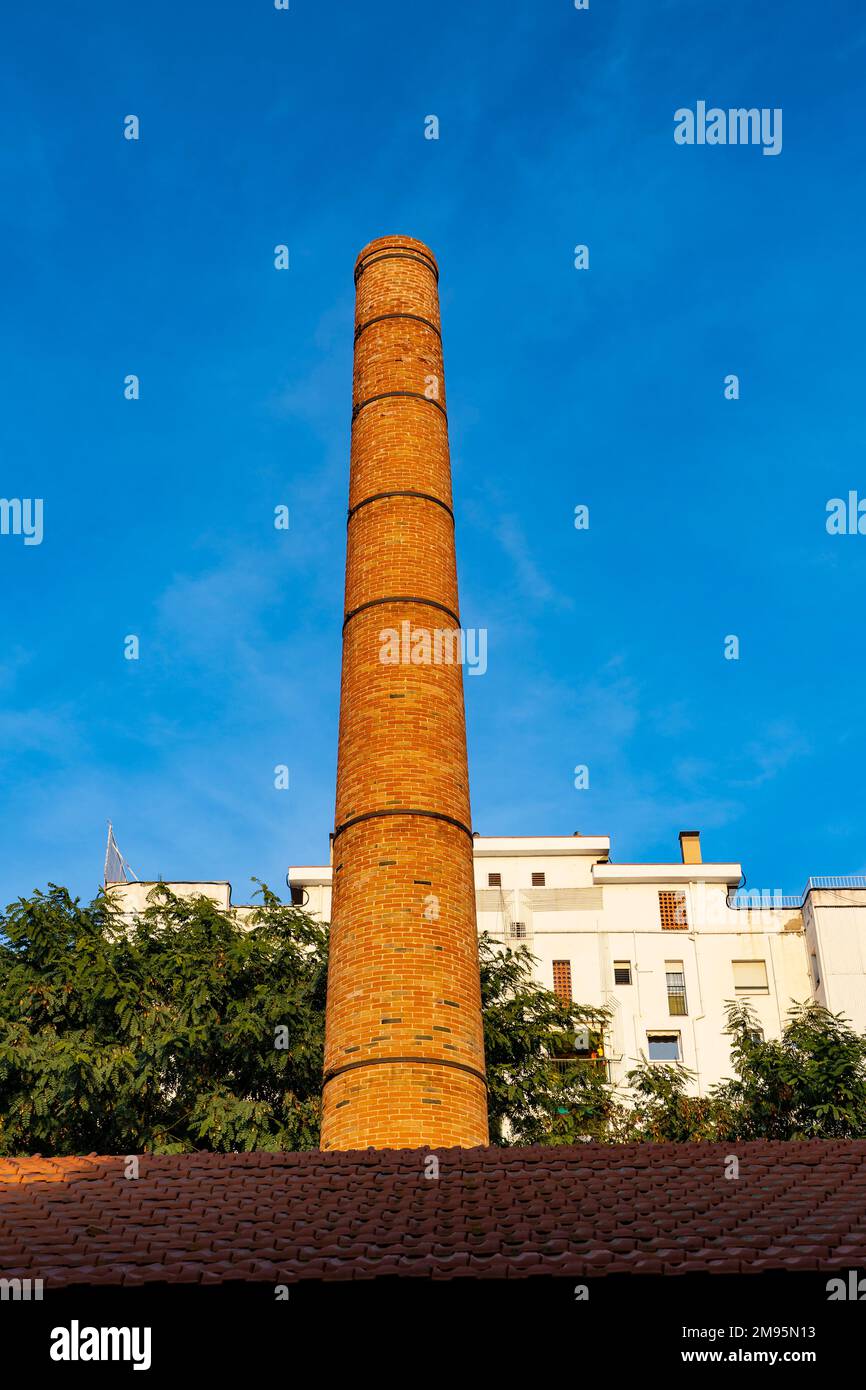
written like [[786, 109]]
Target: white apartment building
[[662, 946]]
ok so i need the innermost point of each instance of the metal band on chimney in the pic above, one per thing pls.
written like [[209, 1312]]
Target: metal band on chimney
[[397, 256], [400, 492], [401, 598], [384, 395], [403, 811], [421, 1061], [381, 318]]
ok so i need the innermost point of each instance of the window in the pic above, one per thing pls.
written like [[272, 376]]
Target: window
[[622, 972], [299, 894], [750, 977], [672, 911], [676, 983], [663, 1047], [494, 880], [562, 980], [538, 880], [517, 929]]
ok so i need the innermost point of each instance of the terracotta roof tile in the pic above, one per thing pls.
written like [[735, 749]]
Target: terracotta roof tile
[[491, 1214]]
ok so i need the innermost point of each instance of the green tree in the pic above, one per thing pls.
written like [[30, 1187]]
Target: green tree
[[660, 1110], [160, 1034], [808, 1084], [181, 1030], [539, 1093]]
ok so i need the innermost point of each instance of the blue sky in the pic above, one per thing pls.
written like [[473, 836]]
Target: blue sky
[[603, 387]]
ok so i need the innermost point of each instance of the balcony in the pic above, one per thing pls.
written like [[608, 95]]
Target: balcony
[[566, 1066]]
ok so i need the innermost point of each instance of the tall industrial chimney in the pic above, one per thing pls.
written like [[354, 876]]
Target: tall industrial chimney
[[404, 1050]]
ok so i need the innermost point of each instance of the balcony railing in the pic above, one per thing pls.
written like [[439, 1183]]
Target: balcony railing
[[566, 1065]]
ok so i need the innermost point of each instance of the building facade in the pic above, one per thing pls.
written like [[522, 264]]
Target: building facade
[[664, 947]]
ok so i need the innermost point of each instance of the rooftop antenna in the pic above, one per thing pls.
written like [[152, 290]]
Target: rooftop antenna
[[116, 869]]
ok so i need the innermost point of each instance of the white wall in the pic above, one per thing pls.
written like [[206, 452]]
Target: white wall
[[133, 897], [591, 913], [835, 921]]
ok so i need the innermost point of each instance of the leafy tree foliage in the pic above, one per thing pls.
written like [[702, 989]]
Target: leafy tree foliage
[[158, 1034], [661, 1109], [808, 1084], [538, 1092]]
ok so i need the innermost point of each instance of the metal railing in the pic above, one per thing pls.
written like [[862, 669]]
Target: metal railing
[[763, 899], [766, 899], [843, 881], [569, 1065]]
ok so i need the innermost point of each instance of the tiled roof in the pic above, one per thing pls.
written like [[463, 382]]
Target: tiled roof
[[285, 1217]]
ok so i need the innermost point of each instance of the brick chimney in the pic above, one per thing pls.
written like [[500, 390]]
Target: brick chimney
[[690, 846], [404, 1052]]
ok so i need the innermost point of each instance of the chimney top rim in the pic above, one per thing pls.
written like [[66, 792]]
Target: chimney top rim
[[395, 242]]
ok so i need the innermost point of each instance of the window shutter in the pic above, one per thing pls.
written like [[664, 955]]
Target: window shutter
[[750, 975]]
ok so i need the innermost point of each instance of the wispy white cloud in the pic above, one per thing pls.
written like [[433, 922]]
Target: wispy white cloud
[[527, 573], [779, 745]]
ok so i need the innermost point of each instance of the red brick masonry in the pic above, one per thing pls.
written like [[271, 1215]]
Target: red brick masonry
[[404, 1045], [495, 1213]]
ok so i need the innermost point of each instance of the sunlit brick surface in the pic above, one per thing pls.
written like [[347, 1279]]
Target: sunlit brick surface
[[404, 1056]]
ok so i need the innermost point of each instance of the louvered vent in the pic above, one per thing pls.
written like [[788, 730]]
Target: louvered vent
[[563, 899], [492, 900]]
